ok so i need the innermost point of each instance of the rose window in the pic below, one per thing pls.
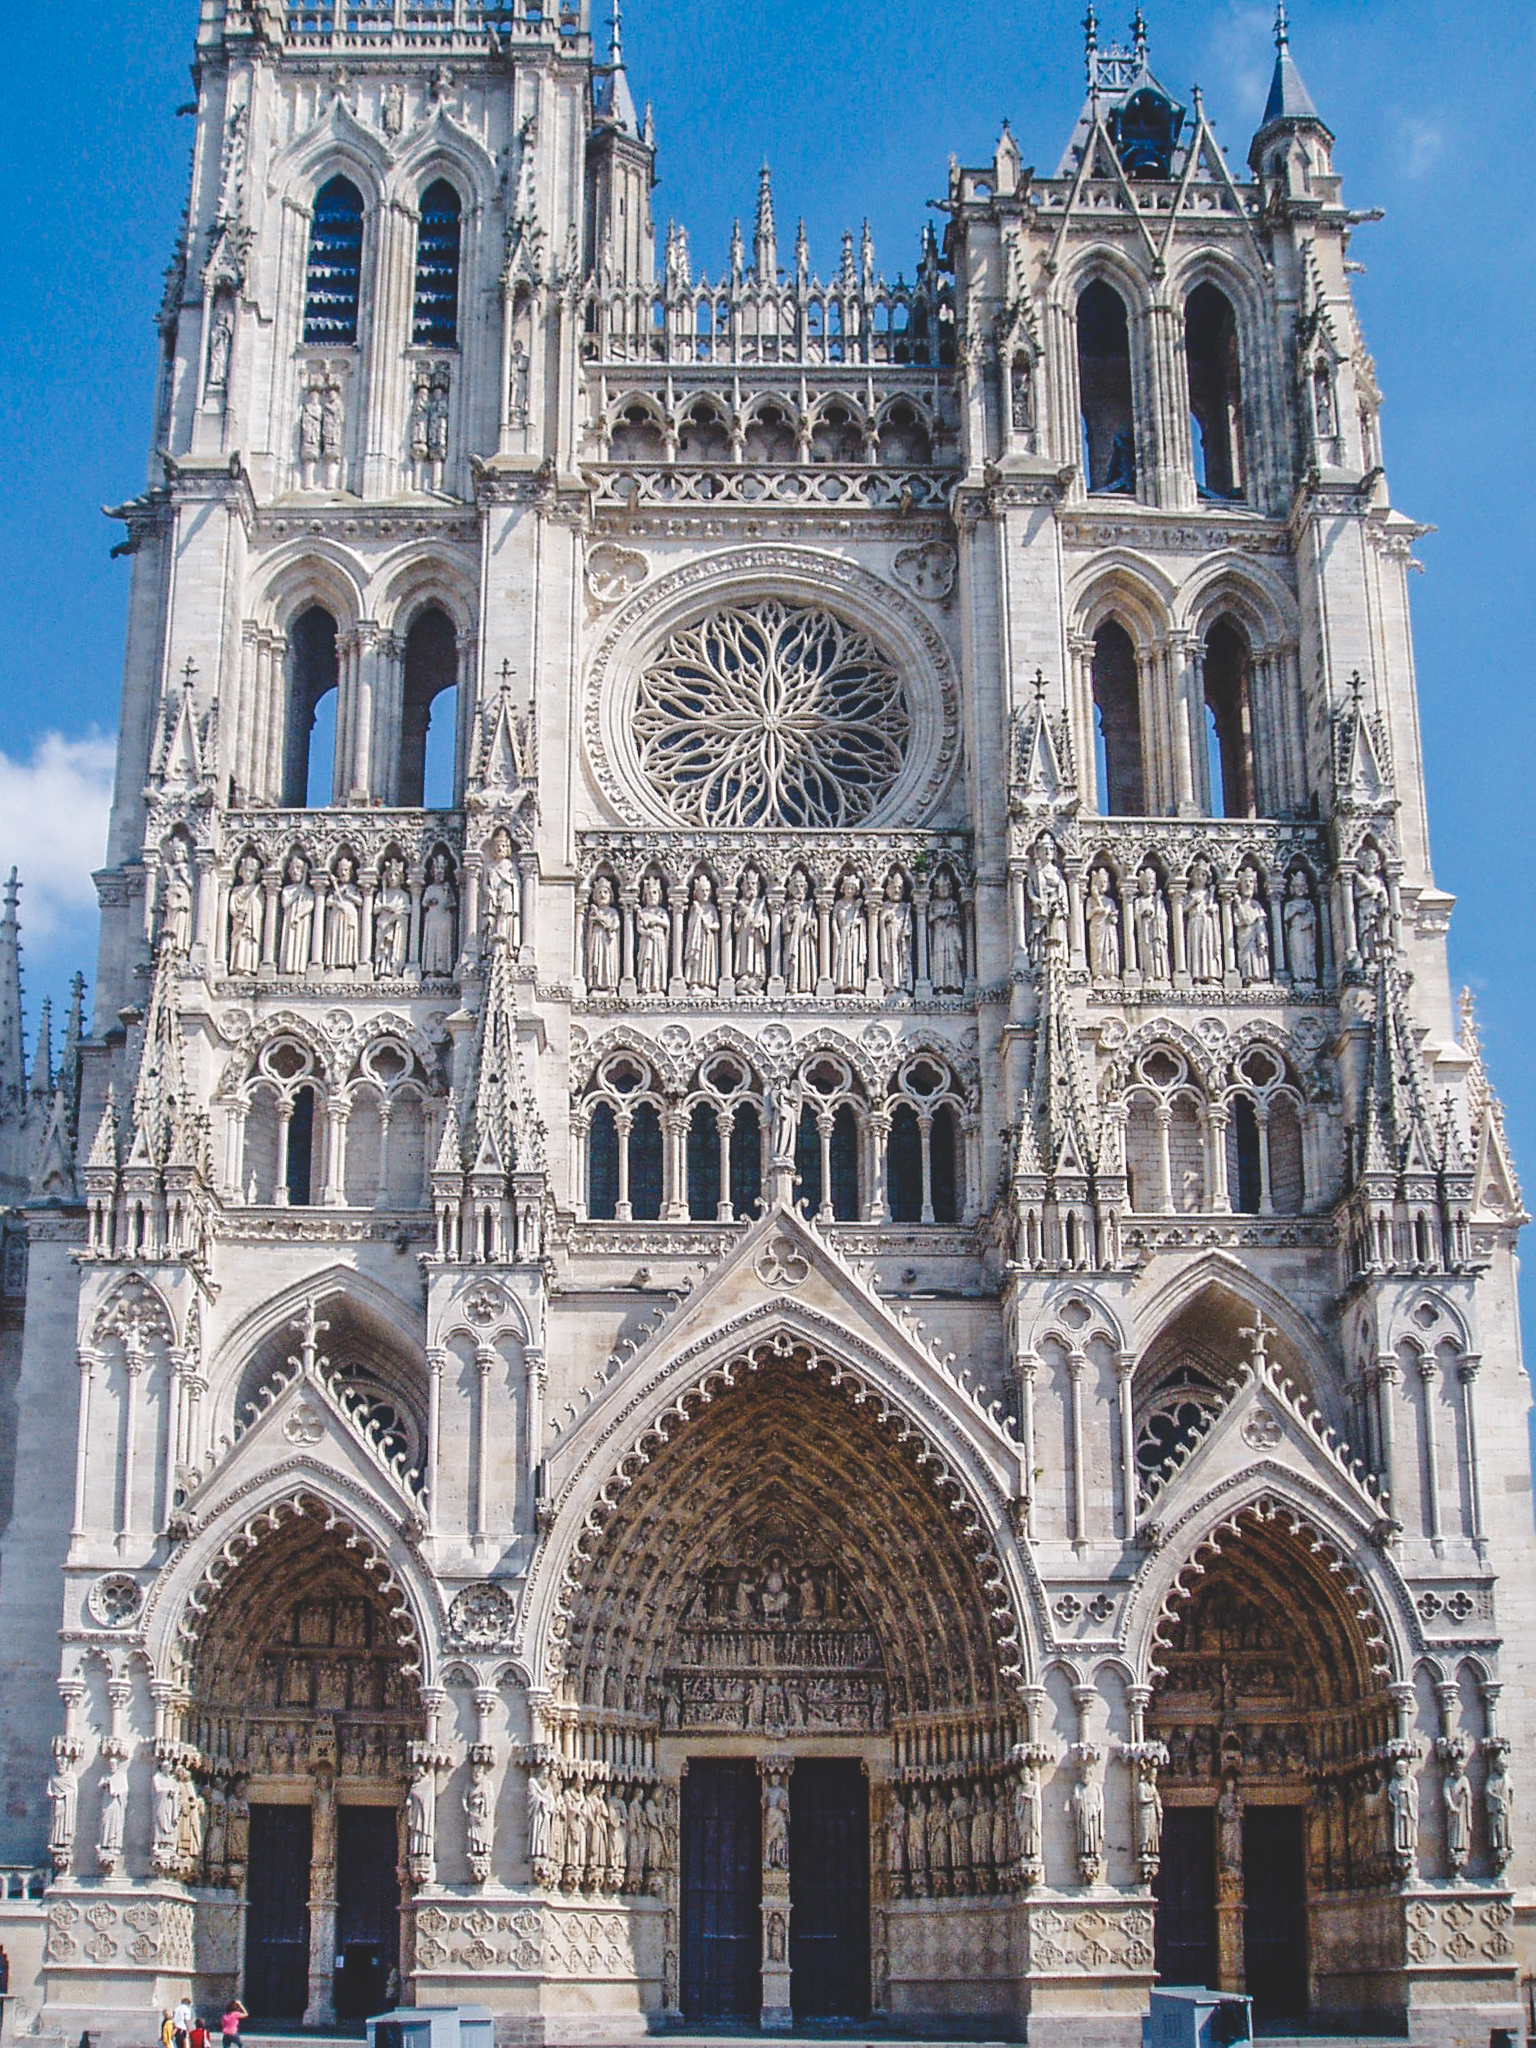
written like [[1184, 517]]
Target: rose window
[[771, 715]]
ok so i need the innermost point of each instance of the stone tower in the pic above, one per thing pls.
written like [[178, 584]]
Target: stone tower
[[777, 1203]]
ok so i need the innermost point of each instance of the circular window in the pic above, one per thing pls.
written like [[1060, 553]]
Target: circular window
[[771, 715]]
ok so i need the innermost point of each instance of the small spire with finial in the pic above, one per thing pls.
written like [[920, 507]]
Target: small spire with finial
[[1282, 27], [1139, 36], [1091, 38], [616, 36]]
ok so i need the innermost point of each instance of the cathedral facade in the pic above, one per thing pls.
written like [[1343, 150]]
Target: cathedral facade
[[775, 1286]]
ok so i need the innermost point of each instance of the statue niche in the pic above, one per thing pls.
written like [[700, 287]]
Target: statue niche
[[775, 1642]]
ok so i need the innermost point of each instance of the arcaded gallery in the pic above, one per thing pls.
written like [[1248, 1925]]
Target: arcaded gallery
[[773, 1284]]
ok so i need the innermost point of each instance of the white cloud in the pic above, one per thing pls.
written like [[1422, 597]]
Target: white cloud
[[1420, 145], [1237, 55], [53, 830]]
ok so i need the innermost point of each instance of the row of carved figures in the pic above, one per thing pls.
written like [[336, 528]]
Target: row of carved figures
[[323, 419], [595, 1835], [1458, 1804], [804, 938], [963, 1838], [195, 1833]]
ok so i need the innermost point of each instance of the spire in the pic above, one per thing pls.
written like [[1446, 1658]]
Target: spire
[[1139, 36], [13, 1072], [1059, 1092], [765, 243], [618, 101], [1091, 43], [1289, 101], [504, 1135], [42, 1054]]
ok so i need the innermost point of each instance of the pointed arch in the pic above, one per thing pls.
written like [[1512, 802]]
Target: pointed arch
[[274, 1318]]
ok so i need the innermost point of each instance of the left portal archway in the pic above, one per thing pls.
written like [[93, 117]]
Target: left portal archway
[[304, 1702]]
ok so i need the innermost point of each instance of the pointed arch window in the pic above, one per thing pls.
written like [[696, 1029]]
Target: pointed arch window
[[299, 1166], [1105, 391], [746, 1162], [1117, 709], [704, 1163], [1215, 392], [439, 246], [309, 754], [904, 1167], [333, 284], [645, 1164], [1229, 721], [429, 715], [603, 1165]]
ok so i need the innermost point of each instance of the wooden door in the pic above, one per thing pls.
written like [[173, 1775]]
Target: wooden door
[[829, 1891], [367, 1907], [722, 1890], [1185, 1891], [1275, 1912], [277, 1913]]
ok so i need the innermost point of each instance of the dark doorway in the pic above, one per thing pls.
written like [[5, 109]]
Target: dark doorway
[[1275, 1912], [722, 1892], [277, 1913], [829, 1891], [367, 1908], [1185, 1891]]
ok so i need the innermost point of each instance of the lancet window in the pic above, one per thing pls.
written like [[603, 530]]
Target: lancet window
[[924, 1174], [1105, 390], [724, 1145], [1117, 719], [428, 775], [1266, 1172], [276, 1147], [435, 318], [1228, 668], [333, 283], [1214, 369], [626, 1171], [309, 754]]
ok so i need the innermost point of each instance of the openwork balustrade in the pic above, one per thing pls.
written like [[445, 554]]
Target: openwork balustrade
[[372, 24]]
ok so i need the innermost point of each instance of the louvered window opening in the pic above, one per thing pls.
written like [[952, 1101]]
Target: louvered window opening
[[436, 322], [334, 283]]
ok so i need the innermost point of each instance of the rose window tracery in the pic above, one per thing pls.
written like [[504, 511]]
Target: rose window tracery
[[771, 715]]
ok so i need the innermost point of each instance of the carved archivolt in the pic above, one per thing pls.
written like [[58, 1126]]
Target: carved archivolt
[[795, 1485]]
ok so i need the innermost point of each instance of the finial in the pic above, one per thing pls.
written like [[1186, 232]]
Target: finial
[[1282, 27], [1091, 36], [1039, 686], [1139, 35], [616, 36], [188, 674]]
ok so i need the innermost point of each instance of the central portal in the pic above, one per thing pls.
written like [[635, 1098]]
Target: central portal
[[829, 1891], [722, 1861]]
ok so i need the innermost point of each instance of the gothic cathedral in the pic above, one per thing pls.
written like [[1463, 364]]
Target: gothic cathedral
[[775, 1287]]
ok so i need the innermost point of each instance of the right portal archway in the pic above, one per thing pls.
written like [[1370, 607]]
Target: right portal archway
[[1272, 1698]]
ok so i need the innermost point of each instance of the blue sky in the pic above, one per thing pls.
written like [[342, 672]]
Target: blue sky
[[858, 109]]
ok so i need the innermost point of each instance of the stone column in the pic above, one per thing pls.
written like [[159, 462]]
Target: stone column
[[321, 2009], [1429, 1374], [777, 2013], [1229, 1888]]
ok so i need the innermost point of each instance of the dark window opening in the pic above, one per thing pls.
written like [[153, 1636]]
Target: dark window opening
[[309, 758], [1145, 132], [904, 1167], [1245, 1130], [746, 1161], [299, 1165], [1215, 392], [1229, 722], [334, 281], [704, 1163], [429, 716], [845, 1166], [808, 1161], [645, 1174], [603, 1165], [944, 1146], [1117, 703], [436, 320], [1104, 384]]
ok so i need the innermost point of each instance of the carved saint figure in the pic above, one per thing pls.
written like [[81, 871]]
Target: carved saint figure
[[1250, 929], [750, 924], [421, 1815], [1373, 906], [439, 922], [245, 918], [63, 1797], [1027, 1814], [850, 940], [218, 1832], [480, 1825], [311, 433], [959, 1831], [344, 917], [981, 1832], [618, 1839], [421, 410], [1088, 1812], [701, 939], [786, 1126], [1046, 903], [655, 1841], [1499, 1798], [896, 1837], [176, 925], [392, 922], [1150, 915], [1102, 914], [238, 1826], [775, 1827], [167, 1815], [936, 1822], [114, 1810], [603, 939], [1403, 1800], [502, 915], [1457, 1794], [1301, 931], [1202, 927], [333, 424], [437, 418], [917, 1842], [1229, 1829], [894, 930], [802, 953], [298, 919], [946, 938], [1147, 1813], [653, 929], [541, 1815], [597, 1834], [220, 344]]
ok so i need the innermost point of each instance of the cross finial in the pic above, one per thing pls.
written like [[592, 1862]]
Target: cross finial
[[1091, 36], [188, 673], [309, 1327], [1139, 35], [1282, 27], [1260, 1332], [1357, 688], [1039, 687], [506, 675]]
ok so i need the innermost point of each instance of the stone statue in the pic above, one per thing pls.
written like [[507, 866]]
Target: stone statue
[[1147, 1818], [238, 1826], [896, 1837], [479, 1816], [333, 427], [246, 909], [220, 345], [618, 1839], [802, 950], [850, 941], [1301, 931], [541, 1815], [1403, 1802], [1457, 1794], [298, 920], [1229, 1829], [1046, 903], [517, 414], [655, 1842], [218, 1833], [177, 902], [1322, 385], [1250, 929], [421, 1817], [114, 1814], [775, 1827], [894, 932], [344, 917], [167, 1817], [1102, 915], [981, 1831], [1087, 1802], [502, 915], [597, 1833], [936, 1824], [750, 924], [191, 1821], [959, 1830], [1202, 928], [439, 919], [421, 439], [634, 1842], [1373, 906], [701, 939], [1027, 1814], [438, 414], [653, 930], [1499, 1799], [63, 1798], [1150, 915], [946, 938], [392, 922], [603, 939], [311, 434]]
